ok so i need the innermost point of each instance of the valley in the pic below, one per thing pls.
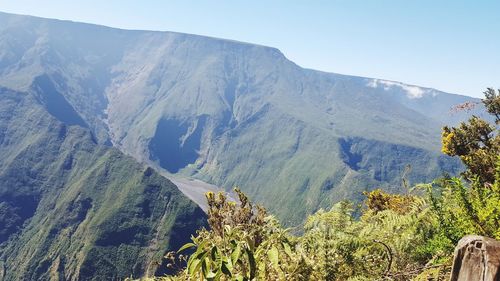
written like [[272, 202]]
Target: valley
[[110, 138]]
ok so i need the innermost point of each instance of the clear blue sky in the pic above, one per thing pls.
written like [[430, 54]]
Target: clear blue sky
[[451, 45]]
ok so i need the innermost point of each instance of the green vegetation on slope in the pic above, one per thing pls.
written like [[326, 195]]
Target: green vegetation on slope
[[71, 209], [230, 113], [397, 237]]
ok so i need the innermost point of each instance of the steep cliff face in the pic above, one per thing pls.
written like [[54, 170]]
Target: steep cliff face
[[76, 210], [230, 113]]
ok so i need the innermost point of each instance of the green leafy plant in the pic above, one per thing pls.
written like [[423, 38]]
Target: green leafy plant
[[244, 243]]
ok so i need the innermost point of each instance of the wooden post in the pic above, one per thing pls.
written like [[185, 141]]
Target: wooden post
[[476, 258]]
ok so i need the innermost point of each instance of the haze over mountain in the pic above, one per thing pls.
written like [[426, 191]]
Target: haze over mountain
[[230, 113]]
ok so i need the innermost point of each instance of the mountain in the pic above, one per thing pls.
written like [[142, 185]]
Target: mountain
[[71, 209], [230, 113]]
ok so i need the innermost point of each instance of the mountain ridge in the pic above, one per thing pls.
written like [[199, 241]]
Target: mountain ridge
[[230, 41], [233, 113]]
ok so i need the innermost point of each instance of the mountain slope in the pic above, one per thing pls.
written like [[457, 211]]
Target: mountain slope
[[231, 113], [71, 209]]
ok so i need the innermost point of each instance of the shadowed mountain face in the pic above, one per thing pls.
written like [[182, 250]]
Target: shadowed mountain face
[[230, 113], [71, 209], [173, 146]]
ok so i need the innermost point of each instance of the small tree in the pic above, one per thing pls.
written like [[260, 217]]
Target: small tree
[[477, 142], [472, 207], [243, 243]]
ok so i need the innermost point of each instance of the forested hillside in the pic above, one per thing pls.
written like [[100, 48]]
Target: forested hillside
[[71, 209]]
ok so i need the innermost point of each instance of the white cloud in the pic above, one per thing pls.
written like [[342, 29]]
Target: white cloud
[[412, 92]]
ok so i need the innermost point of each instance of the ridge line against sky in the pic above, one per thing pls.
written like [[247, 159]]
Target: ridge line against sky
[[448, 45]]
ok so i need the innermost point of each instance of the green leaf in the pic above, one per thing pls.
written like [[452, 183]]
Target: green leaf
[[225, 269], [205, 266], [186, 246], [199, 252], [213, 253], [218, 259], [196, 262], [274, 257], [211, 275], [192, 267], [235, 255], [287, 248], [229, 264], [262, 270], [251, 261], [218, 275]]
